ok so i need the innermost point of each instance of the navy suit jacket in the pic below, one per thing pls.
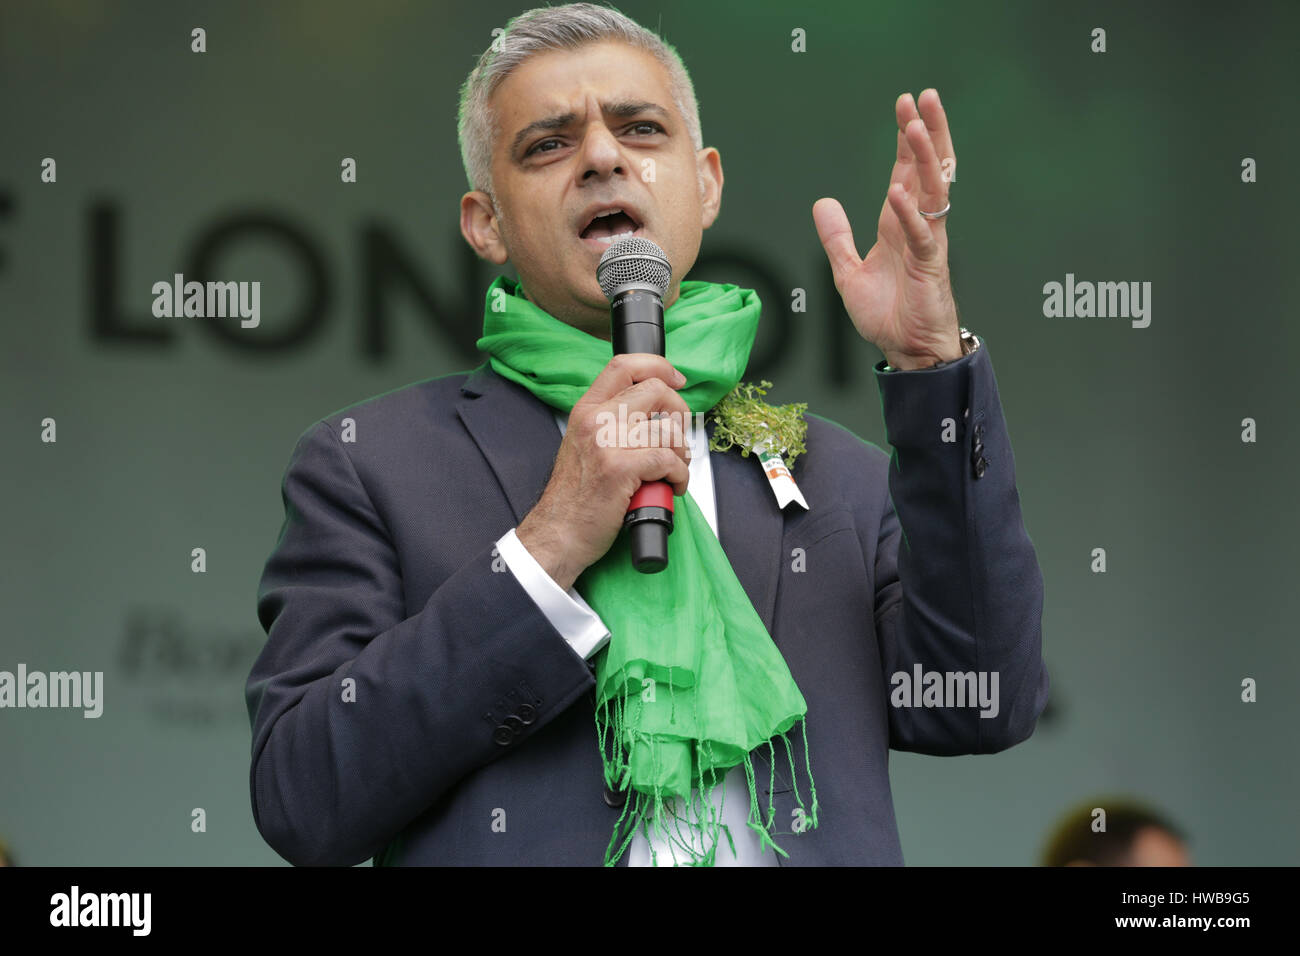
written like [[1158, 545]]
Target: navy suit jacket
[[413, 705]]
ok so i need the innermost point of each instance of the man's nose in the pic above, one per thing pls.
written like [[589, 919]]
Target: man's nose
[[602, 154]]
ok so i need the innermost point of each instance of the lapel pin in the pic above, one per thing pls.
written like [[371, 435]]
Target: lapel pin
[[774, 433]]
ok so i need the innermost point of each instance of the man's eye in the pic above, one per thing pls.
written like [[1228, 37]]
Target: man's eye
[[537, 147]]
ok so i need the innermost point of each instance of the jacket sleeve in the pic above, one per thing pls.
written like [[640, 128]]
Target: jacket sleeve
[[958, 587], [363, 717]]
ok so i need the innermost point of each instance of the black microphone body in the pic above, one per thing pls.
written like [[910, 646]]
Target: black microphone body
[[637, 322], [637, 325], [634, 274]]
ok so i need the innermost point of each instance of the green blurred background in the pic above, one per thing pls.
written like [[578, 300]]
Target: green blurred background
[[174, 433]]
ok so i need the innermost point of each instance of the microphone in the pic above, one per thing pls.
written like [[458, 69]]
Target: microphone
[[634, 274]]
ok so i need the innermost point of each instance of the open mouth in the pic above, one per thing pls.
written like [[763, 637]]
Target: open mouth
[[608, 226]]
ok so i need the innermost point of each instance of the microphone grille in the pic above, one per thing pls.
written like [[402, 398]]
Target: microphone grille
[[633, 260]]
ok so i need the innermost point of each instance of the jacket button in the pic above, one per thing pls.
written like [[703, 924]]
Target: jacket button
[[981, 465], [615, 798], [514, 723], [503, 736], [527, 713]]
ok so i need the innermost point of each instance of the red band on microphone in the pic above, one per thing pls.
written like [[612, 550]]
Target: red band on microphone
[[655, 494]]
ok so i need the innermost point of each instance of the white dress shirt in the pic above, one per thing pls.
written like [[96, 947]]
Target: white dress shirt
[[582, 627]]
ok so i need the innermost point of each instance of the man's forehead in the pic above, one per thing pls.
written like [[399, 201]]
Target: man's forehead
[[619, 102], [562, 81]]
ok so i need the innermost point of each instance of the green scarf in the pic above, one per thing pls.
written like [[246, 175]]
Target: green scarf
[[690, 681]]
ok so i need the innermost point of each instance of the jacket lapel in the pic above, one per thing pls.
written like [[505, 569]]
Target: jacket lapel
[[516, 433], [750, 526]]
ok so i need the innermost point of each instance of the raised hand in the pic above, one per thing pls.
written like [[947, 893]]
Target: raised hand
[[900, 297]]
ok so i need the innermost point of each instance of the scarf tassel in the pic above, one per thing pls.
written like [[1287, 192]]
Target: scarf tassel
[[702, 820]]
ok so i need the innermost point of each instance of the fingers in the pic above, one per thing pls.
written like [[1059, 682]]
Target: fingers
[[654, 446], [649, 397], [936, 124], [925, 162], [657, 419], [920, 237], [923, 168], [624, 371], [904, 171], [664, 465], [924, 165], [630, 405], [933, 192], [837, 237]]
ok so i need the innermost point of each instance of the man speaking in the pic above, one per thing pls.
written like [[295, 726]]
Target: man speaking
[[463, 666]]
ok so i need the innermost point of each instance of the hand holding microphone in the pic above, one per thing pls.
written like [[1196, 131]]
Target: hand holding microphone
[[583, 507], [591, 493]]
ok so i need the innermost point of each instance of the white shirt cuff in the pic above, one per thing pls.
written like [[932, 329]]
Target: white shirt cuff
[[574, 618]]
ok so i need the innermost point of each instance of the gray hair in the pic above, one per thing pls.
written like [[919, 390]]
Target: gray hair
[[554, 28]]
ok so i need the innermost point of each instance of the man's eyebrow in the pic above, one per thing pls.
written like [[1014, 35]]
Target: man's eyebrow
[[620, 109]]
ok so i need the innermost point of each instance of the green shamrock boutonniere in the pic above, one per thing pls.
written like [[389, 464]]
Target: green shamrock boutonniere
[[745, 420]]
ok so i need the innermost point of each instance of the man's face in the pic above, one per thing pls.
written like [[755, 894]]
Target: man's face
[[580, 131]]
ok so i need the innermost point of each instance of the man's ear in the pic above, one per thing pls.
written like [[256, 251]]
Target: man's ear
[[481, 227], [708, 162]]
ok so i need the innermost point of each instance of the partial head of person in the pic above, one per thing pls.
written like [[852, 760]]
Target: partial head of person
[[1129, 834], [578, 126]]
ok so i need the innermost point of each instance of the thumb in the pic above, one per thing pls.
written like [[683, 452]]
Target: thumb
[[836, 235]]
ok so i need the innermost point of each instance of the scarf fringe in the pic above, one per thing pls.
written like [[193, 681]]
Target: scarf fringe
[[696, 833]]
